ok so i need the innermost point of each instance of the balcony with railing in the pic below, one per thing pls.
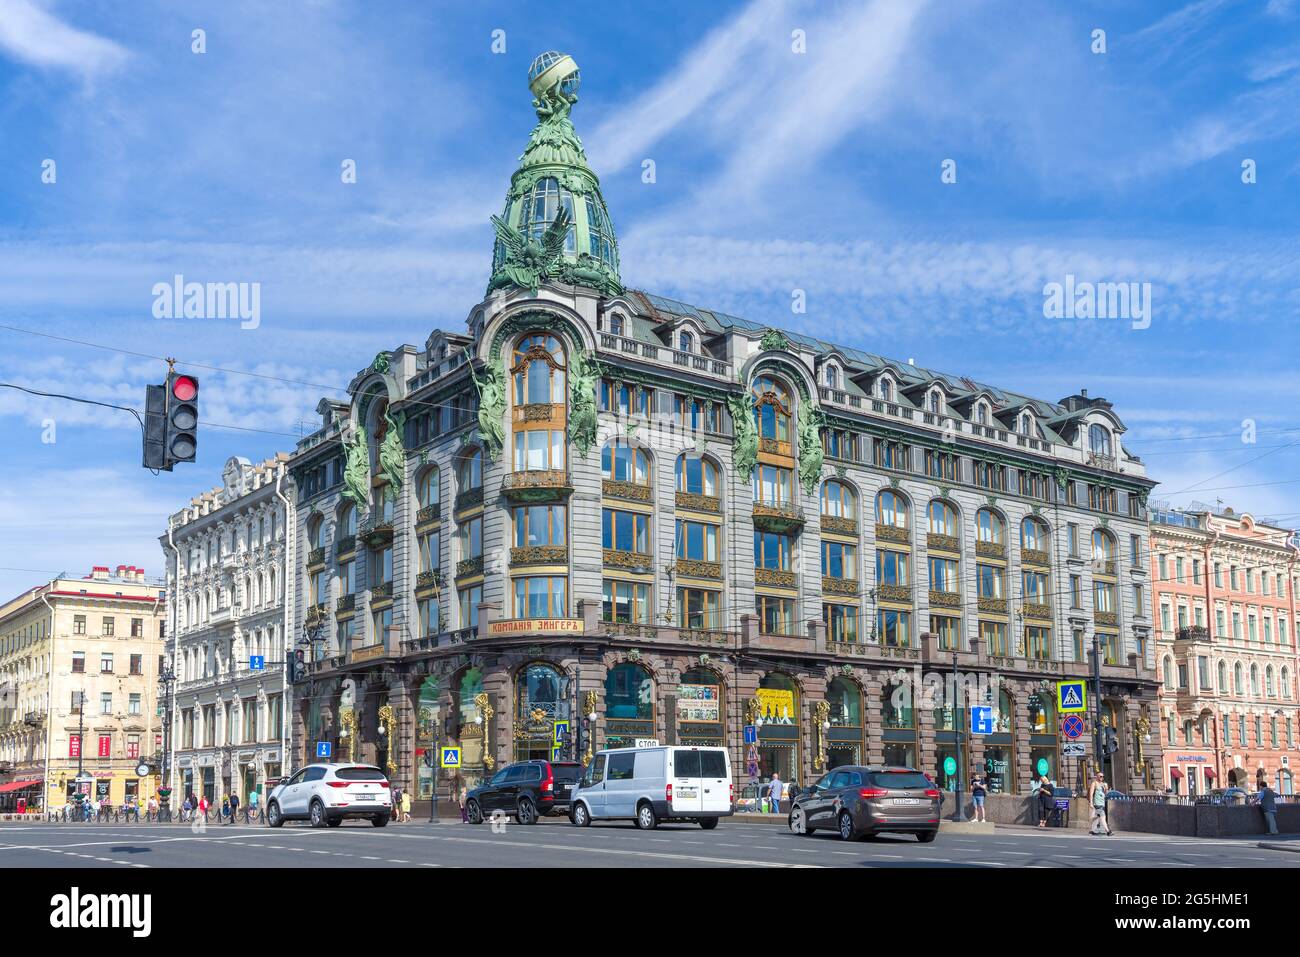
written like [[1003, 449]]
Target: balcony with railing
[[663, 355], [782, 518], [470, 498], [536, 486], [539, 555], [694, 568], [1192, 633], [631, 561]]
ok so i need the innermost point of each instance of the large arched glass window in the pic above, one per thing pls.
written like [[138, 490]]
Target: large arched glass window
[[538, 370], [623, 462], [629, 693], [428, 727], [426, 489], [943, 518], [348, 519], [989, 527], [838, 500], [600, 232], [1103, 546], [891, 509], [845, 700], [542, 205], [1099, 439], [1033, 535], [696, 474], [540, 405], [772, 405]]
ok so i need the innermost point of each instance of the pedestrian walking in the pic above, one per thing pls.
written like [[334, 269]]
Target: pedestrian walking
[[1045, 803], [406, 805], [1268, 804], [397, 802], [252, 800], [461, 792], [234, 808], [1097, 799], [775, 789], [978, 789], [203, 807]]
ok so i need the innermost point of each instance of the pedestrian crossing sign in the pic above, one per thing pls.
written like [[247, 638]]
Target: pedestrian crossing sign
[[450, 758], [1072, 697]]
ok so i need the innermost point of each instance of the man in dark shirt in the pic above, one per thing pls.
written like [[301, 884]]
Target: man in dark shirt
[[1268, 804]]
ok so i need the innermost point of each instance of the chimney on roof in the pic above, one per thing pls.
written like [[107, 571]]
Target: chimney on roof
[[99, 573], [911, 362], [1084, 393]]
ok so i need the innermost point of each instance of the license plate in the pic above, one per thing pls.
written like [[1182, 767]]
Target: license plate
[[566, 787], [908, 801], [365, 797]]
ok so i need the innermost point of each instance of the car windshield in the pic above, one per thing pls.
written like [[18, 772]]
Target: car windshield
[[359, 774], [900, 780]]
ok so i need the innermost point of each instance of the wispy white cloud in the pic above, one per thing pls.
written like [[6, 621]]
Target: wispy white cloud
[[32, 34]]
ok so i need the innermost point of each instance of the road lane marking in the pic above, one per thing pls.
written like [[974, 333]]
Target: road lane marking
[[620, 853]]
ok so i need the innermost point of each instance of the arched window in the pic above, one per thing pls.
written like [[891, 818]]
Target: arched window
[[316, 532], [772, 406], [542, 205], [989, 527], [622, 462], [1269, 686], [629, 693], [1033, 535], [1042, 716], [886, 389], [469, 471], [1099, 439], [982, 413], [891, 509], [427, 488], [943, 518], [1103, 546], [686, 341], [428, 726], [1254, 681], [896, 711], [540, 405], [845, 700], [1223, 678], [1236, 679], [838, 500], [540, 691], [832, 377], [696, 475], [1027, 424], [1286, 682], [936, 402], [348, 519], [1169, 673]]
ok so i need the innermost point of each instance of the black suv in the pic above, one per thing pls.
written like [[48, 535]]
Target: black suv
[[525, 791], [858, 801]]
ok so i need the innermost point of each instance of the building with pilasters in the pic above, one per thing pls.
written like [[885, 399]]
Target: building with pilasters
[[598, 515]]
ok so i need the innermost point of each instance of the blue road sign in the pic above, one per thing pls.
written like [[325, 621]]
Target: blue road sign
[[1072, 726], [450, 757], [751, 734], [981, 719], [1072, 697], [257, 662], [323, 749], [561, 729]]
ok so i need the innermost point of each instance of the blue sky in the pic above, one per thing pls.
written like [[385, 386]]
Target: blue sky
[[774, 171]]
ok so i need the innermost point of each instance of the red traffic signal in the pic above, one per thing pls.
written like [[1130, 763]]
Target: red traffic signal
[[185, 388]]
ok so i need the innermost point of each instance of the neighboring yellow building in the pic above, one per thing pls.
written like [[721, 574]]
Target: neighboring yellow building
[[100, 637]]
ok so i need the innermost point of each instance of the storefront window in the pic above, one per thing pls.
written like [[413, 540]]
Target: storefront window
[[998, 768], [472, 768], [946, 781], [629, 693], [900, 755], [845, 701], [1042, 716], [896, 707], [428, 713], [541, 694], [699, 708], [778, 733]]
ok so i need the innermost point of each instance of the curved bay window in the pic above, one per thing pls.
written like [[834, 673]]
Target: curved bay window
[[844, 739], [898, 725], [629, 705], [700, 709], [772, 410], [541, 207], [778, 727], [428, 727], [541, 699], [539, 372]]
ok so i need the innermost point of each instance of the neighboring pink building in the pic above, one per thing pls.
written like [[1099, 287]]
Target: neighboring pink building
[[1224, 600]]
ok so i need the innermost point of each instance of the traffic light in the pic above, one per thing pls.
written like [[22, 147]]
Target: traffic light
[[155, 428], [182, 418], [299, 666]]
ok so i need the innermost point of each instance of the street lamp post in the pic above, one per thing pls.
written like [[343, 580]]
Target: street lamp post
[[166, 678], [959, 811]]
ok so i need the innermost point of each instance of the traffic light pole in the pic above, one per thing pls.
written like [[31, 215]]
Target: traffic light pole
[[1098, 739]]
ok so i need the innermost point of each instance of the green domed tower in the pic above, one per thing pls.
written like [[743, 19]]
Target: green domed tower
[[555, 225]]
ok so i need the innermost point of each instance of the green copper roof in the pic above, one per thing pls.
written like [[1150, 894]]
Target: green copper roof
[[555, 225]]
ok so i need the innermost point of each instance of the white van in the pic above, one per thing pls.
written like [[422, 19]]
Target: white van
[[649, 785]]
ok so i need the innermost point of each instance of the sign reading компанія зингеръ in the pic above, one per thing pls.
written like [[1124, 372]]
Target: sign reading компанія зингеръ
[[537, 626]]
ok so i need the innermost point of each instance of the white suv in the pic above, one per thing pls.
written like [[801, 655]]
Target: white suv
[[328, 793]]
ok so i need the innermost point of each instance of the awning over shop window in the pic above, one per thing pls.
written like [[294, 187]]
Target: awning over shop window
[[19, 785], [1176, 774]]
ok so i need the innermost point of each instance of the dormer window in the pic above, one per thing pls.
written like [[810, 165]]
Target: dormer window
[[887, 390], [982, 414], [1099, 439], [686, 341], [936, 402], [1027, 424], [616, 325], [832, 377]]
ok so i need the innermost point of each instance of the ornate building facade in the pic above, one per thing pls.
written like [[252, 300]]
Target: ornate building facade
[[226, 560], [1225, 601], [79, 663], [599, 515]]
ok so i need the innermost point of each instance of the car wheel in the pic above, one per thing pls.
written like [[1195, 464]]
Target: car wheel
[[317, 813], [474, 812], [379, 820], [846, 826], [334, 821], [646, 819], [526, 813], [273, 816], [708, 823], [801, 825], [927, 837], [580, 816]]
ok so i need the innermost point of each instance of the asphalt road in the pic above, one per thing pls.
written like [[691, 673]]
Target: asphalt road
[[557, 844]]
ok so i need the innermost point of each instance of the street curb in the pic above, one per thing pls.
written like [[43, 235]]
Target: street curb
[[1269, 846]]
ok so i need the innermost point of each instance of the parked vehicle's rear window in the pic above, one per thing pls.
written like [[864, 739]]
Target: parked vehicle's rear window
[[686, 764], [360, 774], [713, 764], [900, 780], [566, 772]]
